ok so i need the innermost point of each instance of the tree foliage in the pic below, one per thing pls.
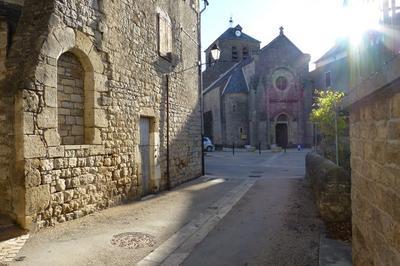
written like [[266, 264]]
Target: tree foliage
[[325, 113], [325, 110]]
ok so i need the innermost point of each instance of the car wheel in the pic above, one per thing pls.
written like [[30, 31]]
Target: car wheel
[[209, 149]]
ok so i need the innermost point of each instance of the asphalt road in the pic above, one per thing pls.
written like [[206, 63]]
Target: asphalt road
[[275, 223], [249, 164], [250, 210]]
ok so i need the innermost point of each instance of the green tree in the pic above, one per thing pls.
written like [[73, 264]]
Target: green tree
[[326, 116], [326, 111]]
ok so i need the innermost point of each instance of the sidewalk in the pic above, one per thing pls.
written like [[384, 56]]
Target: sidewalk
[[158, 225]]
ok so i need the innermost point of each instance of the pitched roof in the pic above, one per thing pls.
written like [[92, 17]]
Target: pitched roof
[[340, 47], [237, 82], [229, 34], [233, 80], [281, 37]]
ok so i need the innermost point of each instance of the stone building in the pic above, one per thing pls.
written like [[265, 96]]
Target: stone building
[[261, 97], [332, 69], [89, 116], [374, 104], [235, 46]]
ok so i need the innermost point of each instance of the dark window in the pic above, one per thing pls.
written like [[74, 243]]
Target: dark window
[[245, 52], [235, 56], [328, 81], [281, 83]]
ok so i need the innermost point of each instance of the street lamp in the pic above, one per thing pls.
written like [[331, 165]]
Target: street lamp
[[215, 52]]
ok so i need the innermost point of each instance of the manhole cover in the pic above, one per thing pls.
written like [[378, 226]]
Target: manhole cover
[[133, 240], [254, 176]]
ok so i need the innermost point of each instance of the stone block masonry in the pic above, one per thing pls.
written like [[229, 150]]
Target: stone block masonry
[[70, 100], [375, 163], [82, 76], [331, 185]]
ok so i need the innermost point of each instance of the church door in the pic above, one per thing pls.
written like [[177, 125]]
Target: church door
[[281, 135]]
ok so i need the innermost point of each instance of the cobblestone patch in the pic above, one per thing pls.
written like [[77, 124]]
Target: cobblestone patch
[[9, 249], [133, 240]]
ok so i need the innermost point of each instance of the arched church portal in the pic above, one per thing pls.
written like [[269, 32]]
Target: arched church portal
[[281, 131]]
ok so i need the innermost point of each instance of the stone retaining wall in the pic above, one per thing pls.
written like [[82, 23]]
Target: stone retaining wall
[[375, 163], [332, 187]]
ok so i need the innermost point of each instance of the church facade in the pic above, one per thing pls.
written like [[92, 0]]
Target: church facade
[[261, 96]]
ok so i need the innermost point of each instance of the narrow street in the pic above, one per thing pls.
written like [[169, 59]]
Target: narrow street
[[250, 209], [275, 223]]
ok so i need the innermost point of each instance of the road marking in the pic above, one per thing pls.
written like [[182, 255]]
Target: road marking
[[178, 247]]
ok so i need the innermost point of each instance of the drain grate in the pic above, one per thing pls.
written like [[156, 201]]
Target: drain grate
[[254, 176], [133, 240]]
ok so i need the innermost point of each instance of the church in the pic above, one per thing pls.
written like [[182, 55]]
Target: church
[[257, 96]]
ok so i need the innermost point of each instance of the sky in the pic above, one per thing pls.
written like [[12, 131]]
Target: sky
[[312, 25]]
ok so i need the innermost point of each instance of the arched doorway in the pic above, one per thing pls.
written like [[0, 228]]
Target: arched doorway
[[281, 135], [281, 131]]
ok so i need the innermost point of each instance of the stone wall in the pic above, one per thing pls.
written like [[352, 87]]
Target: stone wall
[[236, 121], [6, 130], [117, 45], [70, 100], [332, 186], [212, 104], [375, 163], [3, 47]]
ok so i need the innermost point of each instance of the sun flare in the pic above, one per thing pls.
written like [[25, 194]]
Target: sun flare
[[359, 17]]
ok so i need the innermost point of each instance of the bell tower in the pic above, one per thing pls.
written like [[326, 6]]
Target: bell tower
[[235, 46]]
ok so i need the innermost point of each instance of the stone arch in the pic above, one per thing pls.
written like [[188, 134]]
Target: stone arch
[[282, 117], [35, 112], [281, 128], [89, 95], [67, 40], [71, 99]]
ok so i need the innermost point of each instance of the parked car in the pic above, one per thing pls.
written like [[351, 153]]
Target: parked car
[[207, 144]]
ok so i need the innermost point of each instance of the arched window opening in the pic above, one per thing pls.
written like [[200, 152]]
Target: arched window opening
[[70, 99], [245, 53], [235, 56]]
